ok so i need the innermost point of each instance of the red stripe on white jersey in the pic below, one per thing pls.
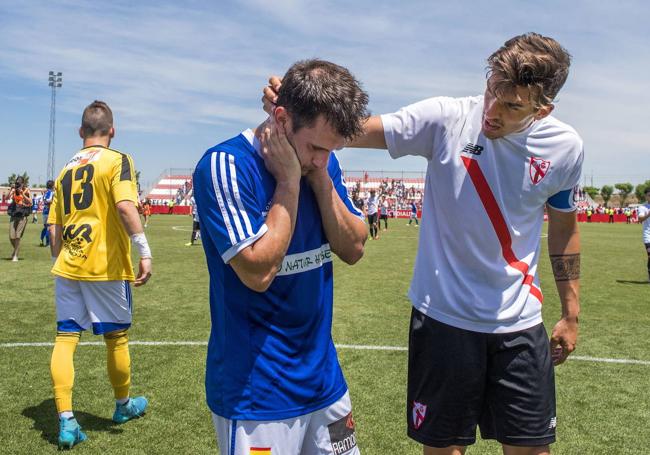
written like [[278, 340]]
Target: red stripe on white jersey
[[498, 223]]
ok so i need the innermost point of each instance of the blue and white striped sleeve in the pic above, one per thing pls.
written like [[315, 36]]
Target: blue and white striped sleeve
[[228, 210], [336, 174]]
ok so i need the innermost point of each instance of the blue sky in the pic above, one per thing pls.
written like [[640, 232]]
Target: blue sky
[[184, 75]]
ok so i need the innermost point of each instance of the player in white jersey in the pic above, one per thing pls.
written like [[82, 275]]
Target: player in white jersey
[[478, 351], [644, 217], [196, 225], [372, 207]]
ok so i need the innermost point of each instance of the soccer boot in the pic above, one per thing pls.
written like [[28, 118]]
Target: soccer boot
[[70, 433], [132, 409]]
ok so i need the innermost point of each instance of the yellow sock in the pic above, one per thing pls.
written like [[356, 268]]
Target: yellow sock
[[118, 362], [62, 369]]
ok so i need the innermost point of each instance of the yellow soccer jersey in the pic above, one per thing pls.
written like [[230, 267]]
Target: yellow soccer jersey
[[96, 247]]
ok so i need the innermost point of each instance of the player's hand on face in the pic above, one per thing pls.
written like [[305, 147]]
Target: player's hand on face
[[564, 339], [270, 96], [144, 273], [279, 155]]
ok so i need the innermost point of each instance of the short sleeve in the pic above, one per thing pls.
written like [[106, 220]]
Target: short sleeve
[[417, 128], [123, 183], [336, 174], [228, 210], [565, 199]]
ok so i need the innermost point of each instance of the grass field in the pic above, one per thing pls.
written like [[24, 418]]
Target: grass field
[[603, 408]]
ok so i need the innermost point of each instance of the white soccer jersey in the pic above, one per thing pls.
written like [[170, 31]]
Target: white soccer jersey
[[643, 210], [476, 266], [371, 205]]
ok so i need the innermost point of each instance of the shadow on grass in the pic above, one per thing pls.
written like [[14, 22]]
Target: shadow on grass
[[631, 282], [46, 421]]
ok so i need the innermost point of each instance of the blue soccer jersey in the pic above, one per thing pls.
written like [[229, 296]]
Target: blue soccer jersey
[[47, 200], [271, 354]]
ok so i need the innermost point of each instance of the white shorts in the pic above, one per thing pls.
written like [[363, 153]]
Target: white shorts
[[103, 305], [327, 431]]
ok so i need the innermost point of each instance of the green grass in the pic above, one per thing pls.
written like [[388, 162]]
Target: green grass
[[602, 408]]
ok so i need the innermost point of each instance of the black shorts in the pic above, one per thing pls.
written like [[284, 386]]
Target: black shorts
[[647, 248], [196, 226], [458, 379], [372, 219]]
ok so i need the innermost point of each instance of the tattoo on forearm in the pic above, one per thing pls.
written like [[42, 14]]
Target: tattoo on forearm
[[565, 266]]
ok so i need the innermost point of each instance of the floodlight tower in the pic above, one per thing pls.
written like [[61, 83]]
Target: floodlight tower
[[55, 81]]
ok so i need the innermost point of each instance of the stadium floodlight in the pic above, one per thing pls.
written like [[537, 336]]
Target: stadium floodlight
[[55, 81]]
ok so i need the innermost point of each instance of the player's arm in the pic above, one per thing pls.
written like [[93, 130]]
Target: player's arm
[[345, 231], [257, 264], [128, 213], [564, 252], [56, 239], [125, 193], [373, 129]]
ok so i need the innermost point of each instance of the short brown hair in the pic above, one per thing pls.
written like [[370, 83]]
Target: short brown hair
[[534, 61], [97, 119], [311, 88]]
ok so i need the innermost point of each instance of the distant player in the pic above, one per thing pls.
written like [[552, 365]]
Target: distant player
[[47, 201], [196, 225], [414, 214], [92, 217], [146, 211], [372, 208], [274, 211], [383, 213], [36, 201], [644, 217]]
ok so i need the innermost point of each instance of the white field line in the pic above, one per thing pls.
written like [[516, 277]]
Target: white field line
[[356, 347], [182, 228]]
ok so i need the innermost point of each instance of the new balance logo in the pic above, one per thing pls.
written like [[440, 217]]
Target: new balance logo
[[473, 149], [553, 423]]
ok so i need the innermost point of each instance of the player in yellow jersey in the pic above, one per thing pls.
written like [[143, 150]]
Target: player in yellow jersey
[[93, 222]]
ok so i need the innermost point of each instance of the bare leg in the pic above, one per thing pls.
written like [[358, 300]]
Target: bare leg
[[513, 450], [451, 450]]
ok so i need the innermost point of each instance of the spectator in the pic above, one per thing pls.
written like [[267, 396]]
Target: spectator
[[19, 210]]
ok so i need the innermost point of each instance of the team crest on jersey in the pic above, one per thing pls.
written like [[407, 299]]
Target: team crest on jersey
[[419, 413], [538, 169]]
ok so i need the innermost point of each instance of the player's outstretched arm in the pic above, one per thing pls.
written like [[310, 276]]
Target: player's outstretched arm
[[133, 226], [373, 130], [564, 251]]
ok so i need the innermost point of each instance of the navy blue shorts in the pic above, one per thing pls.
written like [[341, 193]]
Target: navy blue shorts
[[458, 379]]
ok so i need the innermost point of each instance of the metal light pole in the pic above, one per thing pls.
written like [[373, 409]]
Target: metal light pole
[[55, 81]]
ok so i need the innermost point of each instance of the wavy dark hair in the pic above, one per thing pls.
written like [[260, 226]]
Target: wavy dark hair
[[530, 60], [314, 87]]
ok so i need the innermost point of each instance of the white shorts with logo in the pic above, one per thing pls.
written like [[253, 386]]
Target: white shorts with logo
[[104, 306], [327, 431]]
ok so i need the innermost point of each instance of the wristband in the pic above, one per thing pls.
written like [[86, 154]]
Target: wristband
[[139, 241]]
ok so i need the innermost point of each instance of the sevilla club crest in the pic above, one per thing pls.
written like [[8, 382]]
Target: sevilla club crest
[[538, 169], [419, 413]]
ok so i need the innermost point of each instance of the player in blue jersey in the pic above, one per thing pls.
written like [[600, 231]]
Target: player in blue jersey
[[273, 209], [47, 200]]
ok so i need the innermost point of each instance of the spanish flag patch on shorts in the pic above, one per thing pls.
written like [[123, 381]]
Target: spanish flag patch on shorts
[[260, 451]]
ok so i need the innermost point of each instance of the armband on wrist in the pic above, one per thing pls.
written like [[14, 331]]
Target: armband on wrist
[[139, 241]]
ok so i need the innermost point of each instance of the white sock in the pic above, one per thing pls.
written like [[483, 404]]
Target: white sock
[[66, 414], [122, 400]]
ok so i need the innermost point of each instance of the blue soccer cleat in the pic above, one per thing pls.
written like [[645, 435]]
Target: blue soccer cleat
[[70, 433], [132, 409]]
